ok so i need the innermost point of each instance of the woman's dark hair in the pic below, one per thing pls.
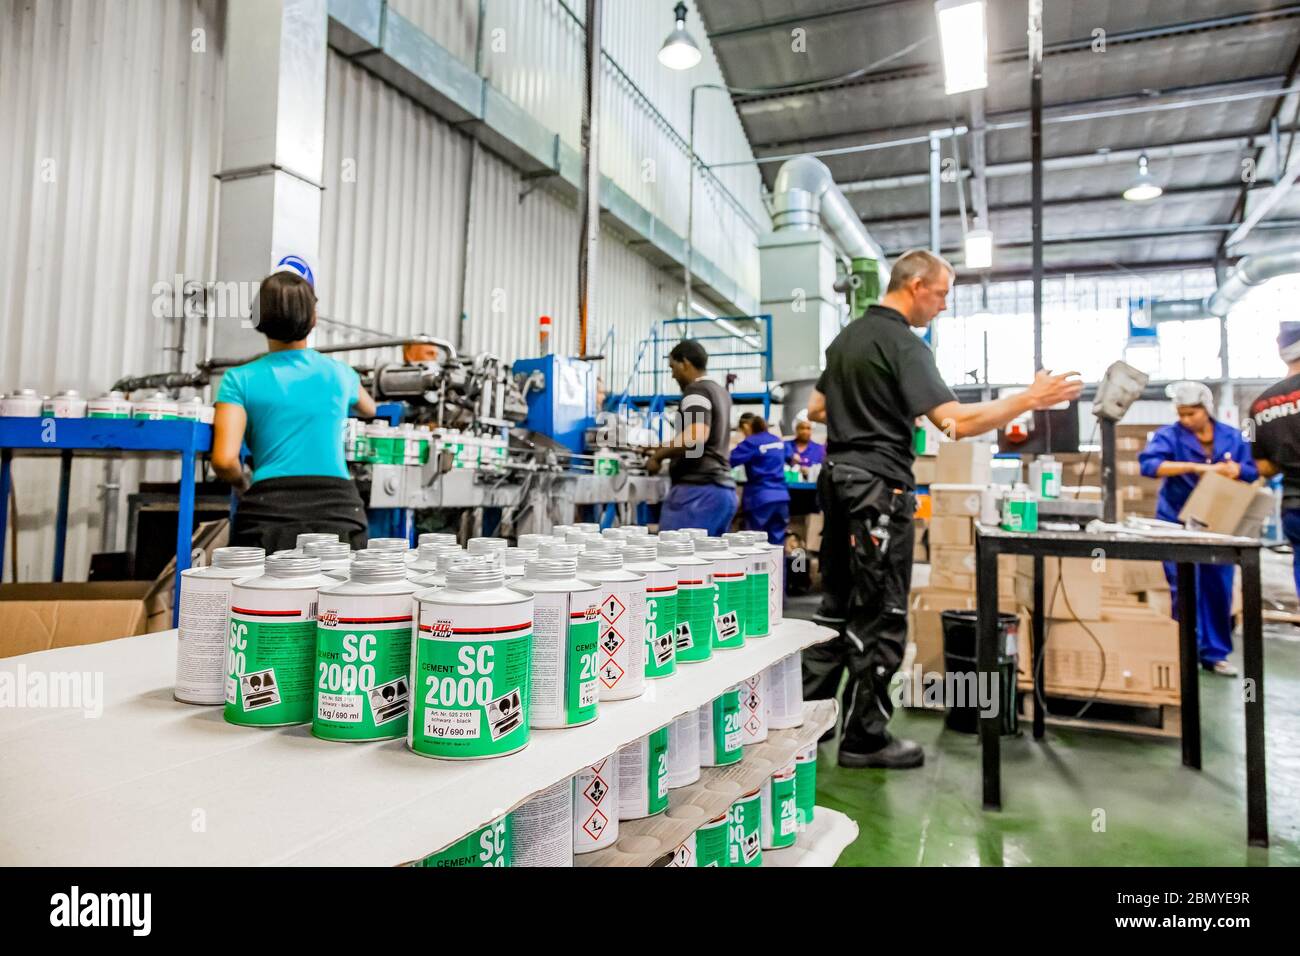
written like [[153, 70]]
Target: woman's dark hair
[[285, 307], [757, 423]]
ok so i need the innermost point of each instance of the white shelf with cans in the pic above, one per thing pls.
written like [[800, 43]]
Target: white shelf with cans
[[310, 758]]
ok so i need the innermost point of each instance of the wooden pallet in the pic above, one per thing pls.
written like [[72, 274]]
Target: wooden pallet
[[1144, 718]]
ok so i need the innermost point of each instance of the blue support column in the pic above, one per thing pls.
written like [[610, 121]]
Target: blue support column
[[184, 530]]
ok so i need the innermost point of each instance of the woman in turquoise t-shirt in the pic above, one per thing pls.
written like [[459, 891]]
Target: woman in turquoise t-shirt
[[290, 407]]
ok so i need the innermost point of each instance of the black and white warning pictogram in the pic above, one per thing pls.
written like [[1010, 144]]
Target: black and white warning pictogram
[[259, 689], [611, 641], [389, 701], [661, 649], [753, 725], [683, 856], [750, 846], [595, 791], [611, 673], [753, 701], [611, 609], [683, 634], [595, 824], [505, 714], [727, 625]]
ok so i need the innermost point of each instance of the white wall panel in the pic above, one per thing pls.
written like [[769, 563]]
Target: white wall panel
[[453, 23]]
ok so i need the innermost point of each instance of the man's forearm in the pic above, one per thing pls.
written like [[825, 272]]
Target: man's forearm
[[976, 418]]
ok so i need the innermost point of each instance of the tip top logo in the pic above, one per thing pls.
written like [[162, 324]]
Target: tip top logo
[[328, 618], [591, 613], [441, 629]]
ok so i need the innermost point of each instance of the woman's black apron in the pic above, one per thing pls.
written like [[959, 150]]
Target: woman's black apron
[[273, 512]]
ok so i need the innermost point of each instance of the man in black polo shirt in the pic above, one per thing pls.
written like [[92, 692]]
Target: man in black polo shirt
[[703, 494], [880, 376]]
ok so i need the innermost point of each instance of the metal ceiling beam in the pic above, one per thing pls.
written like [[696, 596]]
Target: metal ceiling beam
[[1055, 112], [781, 23], [1225, 144], [1093, 268], [1065, 47]]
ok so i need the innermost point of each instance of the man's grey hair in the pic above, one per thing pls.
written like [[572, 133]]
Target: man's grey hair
[[917, 263]]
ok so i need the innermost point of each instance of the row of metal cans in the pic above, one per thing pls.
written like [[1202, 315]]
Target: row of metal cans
[[27, 403]]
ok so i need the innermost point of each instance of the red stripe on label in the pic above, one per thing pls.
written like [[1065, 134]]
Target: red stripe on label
[[580, 614], [527, 625], [374, 620], [690, 582], [729, 575], [671, 587], [244, 610]]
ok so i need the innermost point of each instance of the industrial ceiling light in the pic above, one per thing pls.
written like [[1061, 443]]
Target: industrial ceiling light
[[1144, 188], [964, 37], [979, 249], [680, 51]]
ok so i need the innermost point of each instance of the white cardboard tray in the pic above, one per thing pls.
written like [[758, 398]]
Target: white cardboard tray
[[820, 843], [156, 782]]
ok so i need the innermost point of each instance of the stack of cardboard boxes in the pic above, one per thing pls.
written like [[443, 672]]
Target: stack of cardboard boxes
[[1136, 494]]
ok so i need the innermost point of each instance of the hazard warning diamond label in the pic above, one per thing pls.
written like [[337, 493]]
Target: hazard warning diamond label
[[611, 641], [595, 824], [683, 856], [753, 725], [611, 609], [753, 701], [611, 673], [595, 791]]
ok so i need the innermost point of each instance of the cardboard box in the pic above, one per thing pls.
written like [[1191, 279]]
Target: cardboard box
[[1138, 659], [1226, 506], [1078, 598], [953, 530], [925, 629], [953, 560], [965, 463], [40, 617], [956, 499], [924, 471], [952, 582], [920, 541]]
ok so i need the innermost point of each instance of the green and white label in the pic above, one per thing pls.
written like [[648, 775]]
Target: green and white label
[[721, 742], [643, 776], [758, 619], [744, 839], [694, 614], [470, 670], [490, 846], [780, 809], [711, 843], [660, 623], [363, 661], [565, 687], [271, 652], [805, 784], [730, 600]]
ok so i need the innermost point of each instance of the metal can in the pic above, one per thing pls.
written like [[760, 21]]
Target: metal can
[[805, 784], [1045, 477], [24, 403], [660, 604], [363, 654], [780, 826], [66, 404], [388, 544], [711, 841], [426, 558], [753, 708], [754, 609], [273, 643], [203, 624], [531, 542], [729, 594], [635, 529], [515, 562], [622, 623], [686, 854], [643, 776], [694, 597], [721, 742], [542, 828], [490, 845], [566, 629], [437, 537], [470, 664], [744, 836], [684, 750], [589, 527], [445, 556], [335, 558], [785, 693], [595, 806], [307, 537], [155, 408], [1020, 510], [109, 405], [486, 545], [193, 410]]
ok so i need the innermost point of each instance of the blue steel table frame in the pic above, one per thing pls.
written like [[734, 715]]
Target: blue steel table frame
[[98, 436], [1186, 552]]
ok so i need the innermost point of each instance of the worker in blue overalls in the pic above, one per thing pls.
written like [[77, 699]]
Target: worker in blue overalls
[[766, 503], [1180, 453]]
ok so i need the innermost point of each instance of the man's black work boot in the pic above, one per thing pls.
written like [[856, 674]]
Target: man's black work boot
[[898, 754]]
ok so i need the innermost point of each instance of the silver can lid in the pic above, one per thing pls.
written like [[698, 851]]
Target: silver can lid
[[517, 558], [618, 534], [739, 539], [292, 566], [590, 527], [551, 569], [472, 573], [531, 542], [486, 545], [235, 557], [695, 532], [556, 550], [634, 551], [636, 529], [436, 537], [678, 546], [387, 544], [308, 537], [710, 545], [328, 550]]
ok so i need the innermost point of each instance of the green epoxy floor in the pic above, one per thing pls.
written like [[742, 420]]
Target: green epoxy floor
[[1156, 812]]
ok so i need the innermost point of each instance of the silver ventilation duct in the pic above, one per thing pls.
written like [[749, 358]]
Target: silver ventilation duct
[[1249, 272], [806, 196]]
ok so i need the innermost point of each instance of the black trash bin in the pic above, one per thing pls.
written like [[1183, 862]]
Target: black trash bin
[[959, 629]]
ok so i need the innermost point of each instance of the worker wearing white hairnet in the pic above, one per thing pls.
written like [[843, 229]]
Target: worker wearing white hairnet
[[1180, 453]]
